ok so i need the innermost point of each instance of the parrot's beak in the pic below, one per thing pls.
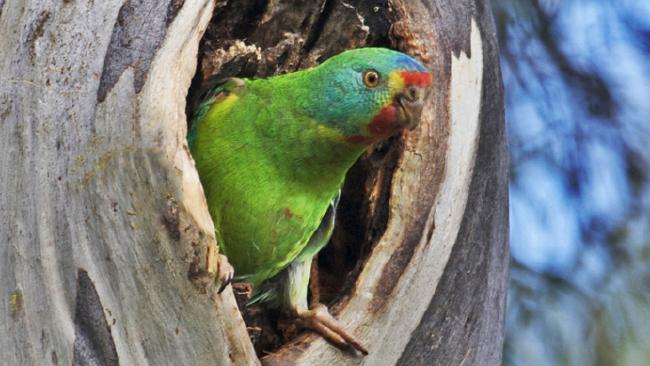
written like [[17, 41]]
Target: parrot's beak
[[411, 101], [412, 97]]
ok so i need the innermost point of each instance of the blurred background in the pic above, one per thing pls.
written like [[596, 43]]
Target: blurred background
[[577, 81]]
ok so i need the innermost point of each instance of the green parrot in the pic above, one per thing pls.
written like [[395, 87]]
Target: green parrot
[[272, 155]]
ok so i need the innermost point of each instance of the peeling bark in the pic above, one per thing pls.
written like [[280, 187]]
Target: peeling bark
[[107, 238]]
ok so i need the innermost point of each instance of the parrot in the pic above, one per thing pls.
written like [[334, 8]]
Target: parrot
[[272, 155]]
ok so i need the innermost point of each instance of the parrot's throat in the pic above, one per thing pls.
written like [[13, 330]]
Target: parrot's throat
[[318, 154], [383, 125]]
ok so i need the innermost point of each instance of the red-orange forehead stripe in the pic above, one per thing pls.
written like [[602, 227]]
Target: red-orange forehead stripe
[[417, 78]]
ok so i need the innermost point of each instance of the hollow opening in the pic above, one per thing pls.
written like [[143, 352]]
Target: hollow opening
[[258, 39]]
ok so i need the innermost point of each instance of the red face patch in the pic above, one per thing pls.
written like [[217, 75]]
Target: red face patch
[[382, 125], [422, 79], [385, 122]]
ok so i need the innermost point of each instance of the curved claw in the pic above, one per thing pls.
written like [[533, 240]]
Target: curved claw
[[226, 272], [319, 319]]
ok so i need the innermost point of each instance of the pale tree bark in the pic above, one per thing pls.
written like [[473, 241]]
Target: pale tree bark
[[106, 239]]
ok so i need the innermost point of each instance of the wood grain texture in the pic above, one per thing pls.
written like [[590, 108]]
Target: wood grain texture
[[104, 224], [103, 216]]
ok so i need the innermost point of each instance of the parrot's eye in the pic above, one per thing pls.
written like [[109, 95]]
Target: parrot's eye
[[371, 78]]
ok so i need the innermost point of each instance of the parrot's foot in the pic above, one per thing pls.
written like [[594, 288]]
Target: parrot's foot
[[225, 273], [319, 319]]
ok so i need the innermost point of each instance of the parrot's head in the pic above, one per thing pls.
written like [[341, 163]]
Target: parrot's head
[[370, 93]]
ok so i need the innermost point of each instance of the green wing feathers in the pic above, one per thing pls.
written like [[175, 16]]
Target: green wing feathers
[[275, 290]]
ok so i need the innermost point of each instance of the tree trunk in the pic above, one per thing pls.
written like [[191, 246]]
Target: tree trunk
[[106, 237]]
